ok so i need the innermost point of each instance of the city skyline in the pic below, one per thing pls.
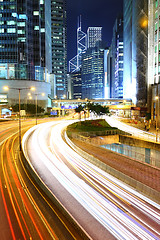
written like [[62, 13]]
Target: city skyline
[[101, 13]]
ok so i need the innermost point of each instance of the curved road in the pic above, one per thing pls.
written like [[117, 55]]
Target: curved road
[[25, 212], [103, 206]]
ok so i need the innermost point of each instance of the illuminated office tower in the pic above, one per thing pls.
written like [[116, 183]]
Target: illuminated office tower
[[135, 51], [59, 46], [94, 34], [93, 72], [154, 60], [154, 42], [116, 52], [75, 62], [22, 39], [22, 45]]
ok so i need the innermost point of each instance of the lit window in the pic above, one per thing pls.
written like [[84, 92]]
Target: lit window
[[36, 28], [1, 30], [21, 32], [11, 30], [36, 13], [22, 39], [42, 29], [21, 24], [23, 16], [14, 15], [10, 22]]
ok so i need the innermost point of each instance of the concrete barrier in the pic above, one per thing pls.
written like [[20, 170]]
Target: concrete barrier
[[132, 141]]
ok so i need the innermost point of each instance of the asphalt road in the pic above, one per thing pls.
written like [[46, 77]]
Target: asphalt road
[[104, 206], [25, 210]]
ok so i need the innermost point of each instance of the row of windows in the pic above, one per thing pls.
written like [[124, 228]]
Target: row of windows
[[12, 30]]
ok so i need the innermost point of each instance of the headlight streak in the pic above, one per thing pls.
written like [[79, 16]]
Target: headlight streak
[[87, 196], [119, 185], [69, 158], [68, 184], [101, 181]]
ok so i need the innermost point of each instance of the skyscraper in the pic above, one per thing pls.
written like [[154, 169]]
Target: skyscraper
[[59, 46], [93, 72], [135, 51], [94, 34], [75, 62], [154, 60], [116, 58], [22, 45]]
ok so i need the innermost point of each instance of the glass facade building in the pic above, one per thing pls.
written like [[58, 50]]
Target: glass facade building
[[94, 34], [93, 73], [119, 59], [22, 40], [116, 54], [136, 51], [59, 46]]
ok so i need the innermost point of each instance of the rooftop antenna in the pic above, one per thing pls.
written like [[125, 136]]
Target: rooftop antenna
[[79, 22]]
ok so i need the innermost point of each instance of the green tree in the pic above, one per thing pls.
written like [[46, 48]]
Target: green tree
[[78, 110], [29, 108], [97, 108]]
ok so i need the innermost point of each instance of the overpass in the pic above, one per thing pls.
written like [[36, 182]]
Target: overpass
[[61, 106]]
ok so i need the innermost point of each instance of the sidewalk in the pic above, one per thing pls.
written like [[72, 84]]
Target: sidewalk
[[137, 128], [139, 125]]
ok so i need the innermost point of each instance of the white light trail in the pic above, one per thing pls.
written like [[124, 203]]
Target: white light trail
[[110, 201]]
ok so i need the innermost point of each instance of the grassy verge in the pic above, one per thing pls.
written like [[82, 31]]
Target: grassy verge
[[90, 126]]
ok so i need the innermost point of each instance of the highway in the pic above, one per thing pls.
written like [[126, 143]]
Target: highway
[[26, 212], [102, 205]]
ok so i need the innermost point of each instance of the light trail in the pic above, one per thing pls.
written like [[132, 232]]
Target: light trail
[[132, 130], [26, 212], [121, 210]]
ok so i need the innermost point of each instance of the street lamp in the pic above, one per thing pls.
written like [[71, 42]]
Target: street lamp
[[157, 112], [6, 88], [36, 94]]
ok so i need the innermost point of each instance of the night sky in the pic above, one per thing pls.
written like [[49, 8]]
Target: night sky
[[100, 13]]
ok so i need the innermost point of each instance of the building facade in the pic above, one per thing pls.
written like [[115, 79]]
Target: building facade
[[93, 73], [116, 51], [136, 51], [76, 83], [59, 47], [75, 62], [154, 60], [22, 47], [94, 34]]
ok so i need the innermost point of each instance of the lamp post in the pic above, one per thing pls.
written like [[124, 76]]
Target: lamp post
[[157, 111], [36, 94], [19, 97]]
